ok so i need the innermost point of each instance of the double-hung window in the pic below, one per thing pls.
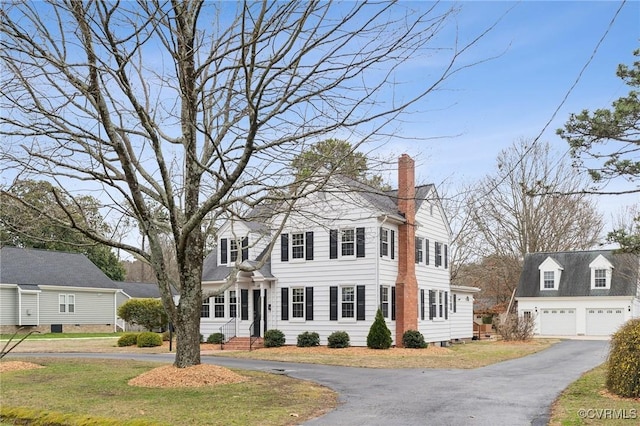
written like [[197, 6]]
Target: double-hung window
[[297, 302], [348, 302], [205, 311], [218, 306], [348, 242], [67, 303], [438, 253], [549, 279], [600, 278], [419, 249], [233, 250], [297, 245], [384, 301], [384, 242]]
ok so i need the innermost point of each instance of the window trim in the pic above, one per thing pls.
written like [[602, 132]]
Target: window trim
[[342, 303], [302, 302], [205, 304], [419, 250], [300, 245], [601, 263], [385, 302], [216, 303], [66, 303], [342, 243], [233, 304]]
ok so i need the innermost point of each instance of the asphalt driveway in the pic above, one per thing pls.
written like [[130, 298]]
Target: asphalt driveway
[[515, 392]]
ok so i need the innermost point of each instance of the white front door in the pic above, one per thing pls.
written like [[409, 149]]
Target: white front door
[[558, 322], [604, 321]]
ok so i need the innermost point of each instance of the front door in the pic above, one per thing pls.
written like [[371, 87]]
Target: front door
[[255, 332]]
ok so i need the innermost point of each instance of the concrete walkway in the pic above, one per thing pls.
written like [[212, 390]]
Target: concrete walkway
[[515, 392]]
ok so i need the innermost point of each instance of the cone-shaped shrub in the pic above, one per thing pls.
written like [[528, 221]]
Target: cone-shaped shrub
[[379, 336], [623, 368]]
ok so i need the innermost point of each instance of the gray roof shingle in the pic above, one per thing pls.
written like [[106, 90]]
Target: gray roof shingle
[[212, 272], [45, 267], [575, 279]]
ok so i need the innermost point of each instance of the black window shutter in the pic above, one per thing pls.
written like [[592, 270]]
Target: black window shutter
[[309, 246], [446, 305], [393, 244], [426, 251], [333, 244], [446, 256], [380, 233], [359, 242], [244, 304], [417, 251], [284, 247], [308, 300], [422, 304], [380, 296], [432, 301], [284, 303], [223, 251], [393, 303], [333, 303], [245, 248], [360, 303], [454, 301]]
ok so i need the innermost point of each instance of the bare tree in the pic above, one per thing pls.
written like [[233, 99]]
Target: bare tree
[[178, 113], [514, 220], [531, 203]]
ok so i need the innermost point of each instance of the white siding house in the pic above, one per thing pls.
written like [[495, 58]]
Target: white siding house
[[52, 291], [343, 253], [582, 293]]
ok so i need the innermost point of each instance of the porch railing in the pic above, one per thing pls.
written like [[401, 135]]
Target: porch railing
[[252, 336], [228, 332]]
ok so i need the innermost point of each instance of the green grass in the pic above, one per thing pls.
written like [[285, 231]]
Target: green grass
[[58, 335], [98, 389], [585, 402]]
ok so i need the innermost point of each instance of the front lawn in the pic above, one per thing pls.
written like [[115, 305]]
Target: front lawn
[[586, 402], [96, 392]]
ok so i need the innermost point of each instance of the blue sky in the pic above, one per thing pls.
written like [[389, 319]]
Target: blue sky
[[542, 48]]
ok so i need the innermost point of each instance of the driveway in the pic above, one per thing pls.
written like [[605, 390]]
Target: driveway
[[516, 392]]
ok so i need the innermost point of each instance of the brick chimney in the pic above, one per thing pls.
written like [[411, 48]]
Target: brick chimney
[[406, 283]]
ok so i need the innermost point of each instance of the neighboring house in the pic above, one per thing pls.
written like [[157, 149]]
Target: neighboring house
[[53, 291], [343, 253], [134, 290], [581, 293]]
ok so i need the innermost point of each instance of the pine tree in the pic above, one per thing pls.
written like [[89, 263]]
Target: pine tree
[[379, 336]]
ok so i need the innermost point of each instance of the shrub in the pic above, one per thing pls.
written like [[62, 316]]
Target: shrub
[[308, 339], [338, 339], [379, 336], [215, 338], [513, 327], [149, 339], [148, 313], [273, 338], [413, 339], [128, 339], [166, 336], [623, 367]]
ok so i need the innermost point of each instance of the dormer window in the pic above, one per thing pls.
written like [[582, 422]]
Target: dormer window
[[601, 270], [550, 274]]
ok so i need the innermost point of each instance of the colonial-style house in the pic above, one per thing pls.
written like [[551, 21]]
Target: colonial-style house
[[579, 293], [52, 291], [344, 252]]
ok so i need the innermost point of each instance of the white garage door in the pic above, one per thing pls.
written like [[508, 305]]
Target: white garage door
[[558, 322], [604, 321]]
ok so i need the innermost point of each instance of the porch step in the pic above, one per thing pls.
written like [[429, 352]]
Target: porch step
[[242, 344]]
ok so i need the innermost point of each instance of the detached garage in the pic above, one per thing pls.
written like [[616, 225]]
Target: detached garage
[[584, 293]]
